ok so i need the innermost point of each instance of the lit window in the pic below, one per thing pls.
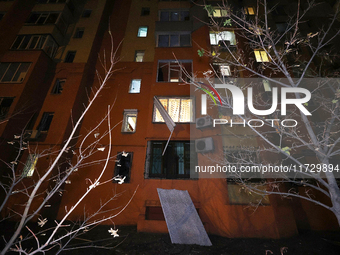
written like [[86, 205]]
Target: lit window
[[174, 40], [174, 15], [79, 32], [176, 163], [30, 165], [123, 166], [249, 10], [70, 56], [129, 121], [45, 122], [225, 70], [37, 42], [5, 104], [174, 71], [218, 12], [139, 55], [261, 56], [135, 86], [13, 72], [86, 13], [266, 86], [58, 86], [215, 37], [179, 109], [142, 31]]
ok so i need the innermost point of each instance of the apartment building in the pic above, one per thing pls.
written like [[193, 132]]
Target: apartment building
[[48, 61]]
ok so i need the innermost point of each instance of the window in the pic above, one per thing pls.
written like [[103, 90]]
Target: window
[[5, 104], [249, 10], [70, 56], [30, 165], [225, 70], [174, 15], [30, 42], [13, 72], [261, 56], [216, 37], [41, 18], [2, 14], [129, 121], [218, 12], [180, 109], [145, 11], [45, 122], [174, 40], [266, 85], [123, 166], [142, 31], [175, 163], [79, 32], [173, 71], [281, 27], [135, 86], [86, 13], [139, 55], [58, 86]]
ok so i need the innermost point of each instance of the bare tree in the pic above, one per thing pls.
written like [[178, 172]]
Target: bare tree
[[50, 182], [283, 57]]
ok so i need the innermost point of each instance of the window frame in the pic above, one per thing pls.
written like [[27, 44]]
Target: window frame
[[218, 36], [79, 33], [162, 62], [130, 88], [154, 111], [180, 16], [179, 34], [67, 57], [5, 110], [40, 44], [216, 9], [41, 14], [136, 59], [259, 58], [58, 86], [140, 33], [45, 122], [30, 165], [15, 73], [126, 114], [166, 161]]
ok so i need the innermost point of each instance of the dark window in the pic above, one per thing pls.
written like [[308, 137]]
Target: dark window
[[70, 56], [145, 11], [71, 6], [2, 14], [58, 86], [176, 161], [123, 166], [174, 40], [86, 13], [45, 122], [5, 104], [173, 71], [79, 32]]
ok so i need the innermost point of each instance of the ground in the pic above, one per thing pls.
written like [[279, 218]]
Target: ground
[[131, 242]]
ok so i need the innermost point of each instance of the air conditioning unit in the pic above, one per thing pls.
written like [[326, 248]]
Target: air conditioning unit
[[31, 134], [204, 122], [204, 145]]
